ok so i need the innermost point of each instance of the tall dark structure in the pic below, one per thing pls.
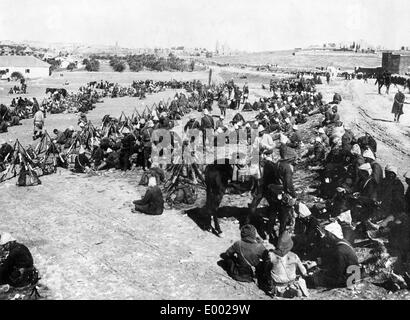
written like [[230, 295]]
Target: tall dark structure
[[396, 62]]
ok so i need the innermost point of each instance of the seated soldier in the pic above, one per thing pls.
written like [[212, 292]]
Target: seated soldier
[[337, 98], [3, 126], [112, 160], [316, 154], [16, 263], [185, 192], [152, 203], [283, 266], [336, 257], [244, 255], [295, 138], [154, 171], [407, 195], [391, 196], [325, 139], [81, 163], [366, 193]]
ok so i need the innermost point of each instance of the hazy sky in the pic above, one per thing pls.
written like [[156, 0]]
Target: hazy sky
[[253, 25]]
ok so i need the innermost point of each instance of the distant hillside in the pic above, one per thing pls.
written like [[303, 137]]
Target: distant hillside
[[300, 60]]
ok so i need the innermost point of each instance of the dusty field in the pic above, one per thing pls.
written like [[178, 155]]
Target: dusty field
[[301, 60], [87, 244]]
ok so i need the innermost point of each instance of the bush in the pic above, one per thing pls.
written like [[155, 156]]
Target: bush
[[16, 75], [92, 65], [118, 66], [71, 66], [54, 63], [135, 65]]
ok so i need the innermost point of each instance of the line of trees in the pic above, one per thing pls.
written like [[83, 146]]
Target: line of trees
[[157, 63], [138, 62]]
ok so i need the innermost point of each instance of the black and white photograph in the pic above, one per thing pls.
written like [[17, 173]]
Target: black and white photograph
[[238, 151]]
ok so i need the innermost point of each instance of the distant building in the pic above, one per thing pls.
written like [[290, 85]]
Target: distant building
[[396, 62], [29, 66]]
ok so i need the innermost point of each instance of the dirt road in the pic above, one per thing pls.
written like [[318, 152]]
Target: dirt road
[[365, 110]]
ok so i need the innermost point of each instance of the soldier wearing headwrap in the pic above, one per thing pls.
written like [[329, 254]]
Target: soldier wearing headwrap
[[397, 109], [152, 203], [16, 263], [244, 255], [337, 256]]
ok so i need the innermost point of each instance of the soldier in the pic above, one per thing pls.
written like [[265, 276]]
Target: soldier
[[380, 82], [38, 122], [397, 108], [407, 195], [245, 91], [272, 85], [337, 98], [147, 144], [153, 202], [223, 104], [237, 97], [328, 77], [387, 81], [207, 122]]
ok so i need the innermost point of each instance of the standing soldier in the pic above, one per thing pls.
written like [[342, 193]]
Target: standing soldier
[[245, 92], [38, 122], [327, 77], [237, 97], [272, 86], [379, 82], [387, 81], [231, 86], [397, 108], [223, 104], [147, 144], [207, 123]]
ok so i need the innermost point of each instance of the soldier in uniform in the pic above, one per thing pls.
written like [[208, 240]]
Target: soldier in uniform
[[223, 104], [397, 108], [147, 144], [38, 122], [207, 122], [245, 91]]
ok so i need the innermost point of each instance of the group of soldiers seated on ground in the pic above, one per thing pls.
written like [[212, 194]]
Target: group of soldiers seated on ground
[[82, 101], [362, 201], [27, 108], [18, 89], [137, 89]]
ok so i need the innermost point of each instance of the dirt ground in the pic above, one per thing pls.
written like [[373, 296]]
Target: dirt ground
[[302, 59], [87, 244]]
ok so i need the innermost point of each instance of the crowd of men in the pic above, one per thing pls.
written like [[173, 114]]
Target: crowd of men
[[363, 200], [300, 246]]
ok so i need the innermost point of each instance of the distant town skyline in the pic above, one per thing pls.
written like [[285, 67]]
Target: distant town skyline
[[258, 25]]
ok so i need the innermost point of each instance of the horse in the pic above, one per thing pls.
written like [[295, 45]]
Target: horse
[[217, 176]]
